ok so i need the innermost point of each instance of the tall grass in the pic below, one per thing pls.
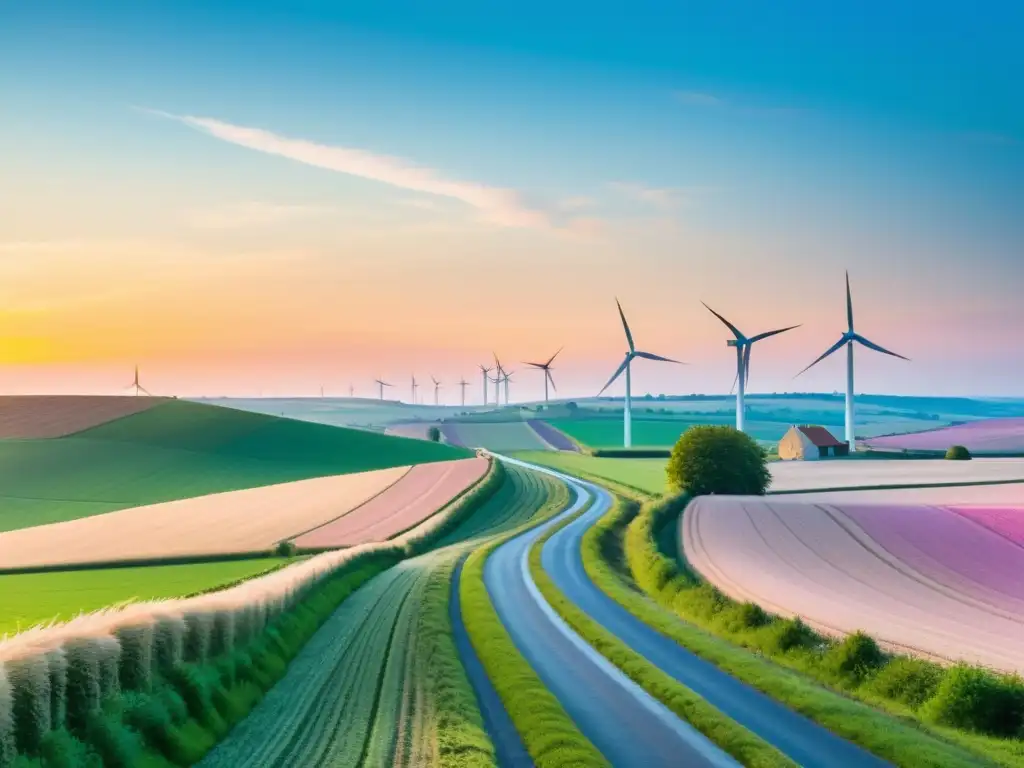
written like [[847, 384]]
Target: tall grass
[[916, 717], [165, 680]]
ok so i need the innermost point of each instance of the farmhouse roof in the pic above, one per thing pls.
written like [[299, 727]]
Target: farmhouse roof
[[819, 436]]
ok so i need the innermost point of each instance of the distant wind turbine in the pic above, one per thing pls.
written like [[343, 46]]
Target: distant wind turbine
[[437, 389], [381, 383], [627, 413], [485, 370], [743, 346], [463, 383], [137, 386], [351, 391], [847, 340], [414, 385], [546, 367], [506, 377], [497, 379]]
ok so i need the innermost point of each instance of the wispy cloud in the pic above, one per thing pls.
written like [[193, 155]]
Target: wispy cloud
[[252, 214], [576, 203], [698, 99], [499, 205], [703, 99], [665, 198]]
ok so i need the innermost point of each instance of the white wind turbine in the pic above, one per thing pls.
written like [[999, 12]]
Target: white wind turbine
[[627, 413], [498, 372], [743, 345], [437, 390], [847, 340], [463, 384], [414, 387], [485, 370], [381, 383], [137, 386], [546, 367]]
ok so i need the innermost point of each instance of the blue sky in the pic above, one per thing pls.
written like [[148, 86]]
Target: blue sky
[[691, 144]]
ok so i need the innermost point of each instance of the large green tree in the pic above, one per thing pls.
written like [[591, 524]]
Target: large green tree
[[720, 460]]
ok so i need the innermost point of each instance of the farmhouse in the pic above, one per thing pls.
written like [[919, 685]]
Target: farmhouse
[[809, 442]]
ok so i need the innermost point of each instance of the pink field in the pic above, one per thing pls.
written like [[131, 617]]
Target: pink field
[[985, 436], [1007, 521], [920, 579], [45, 416], [426, 489], [250, 520]]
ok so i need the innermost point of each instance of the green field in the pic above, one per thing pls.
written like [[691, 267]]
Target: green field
[[33, 598], [647, 475], [178, 450], [660, 433]]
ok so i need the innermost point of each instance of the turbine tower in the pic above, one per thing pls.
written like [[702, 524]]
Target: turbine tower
[[743, 345], [414, 385], [847, 340], [437, 389], [506, 377], [351, 391], [137, 386], [546, 367], [498, 371], [627, 413], [381, 383], [485, 370], [463, 383]]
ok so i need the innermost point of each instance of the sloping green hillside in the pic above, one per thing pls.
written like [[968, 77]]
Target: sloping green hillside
[[178, 450]]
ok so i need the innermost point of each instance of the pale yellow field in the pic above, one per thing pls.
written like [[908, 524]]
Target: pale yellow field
[[238, 521]]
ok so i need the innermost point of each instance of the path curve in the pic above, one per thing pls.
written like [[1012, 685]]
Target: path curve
[[628, 725], [802, 740]]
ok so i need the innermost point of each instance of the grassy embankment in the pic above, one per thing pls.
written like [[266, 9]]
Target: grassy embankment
[[164, 693], [734, 739], [903, 702], [179, 450]]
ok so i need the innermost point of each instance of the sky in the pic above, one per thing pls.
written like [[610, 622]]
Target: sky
[[270, 198]]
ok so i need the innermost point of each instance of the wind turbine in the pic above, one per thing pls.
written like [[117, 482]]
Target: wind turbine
[[497, 380], [138, 387], [743, 345], [847, 340], [627, 413], [485, 370], [506, 377], [546, 367], [381, 383], [463, 383], [437, 388], [351, 391], [414, 385]]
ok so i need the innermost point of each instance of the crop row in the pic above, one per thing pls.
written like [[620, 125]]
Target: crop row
[[171, 678], [894, 687]]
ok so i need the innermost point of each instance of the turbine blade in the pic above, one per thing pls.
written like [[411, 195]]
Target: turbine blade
[[625, 326], [652, 356], [735, 381], [839, 344], [771, 333], [615, 375], [872, 345], [849, 303], [551, 379], [731, 327], [552, 358], [536, 365], [746, 366]]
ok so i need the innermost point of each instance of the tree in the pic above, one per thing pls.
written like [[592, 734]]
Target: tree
[[958, 453], [434, 435], [720, 460]]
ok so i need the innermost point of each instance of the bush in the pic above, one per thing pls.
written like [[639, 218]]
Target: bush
[[285, 549], [434, 435], [719, 460], [958, 453], [856, 657], [136, 668], [7, 742], [30, 692], [907, 680], [978, 700], [83, 686]]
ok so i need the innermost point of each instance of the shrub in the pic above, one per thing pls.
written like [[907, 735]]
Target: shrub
[[787, 634], [117, 746], [30, 702], [978, 700], [7, 741], [958, 453], [83, 687], [198, 632], [434, 435], [136, 668], [907, 680], [855, 657], [168, 644], [719, 460], [285, 549], [62, 750], [108, 657], [58, 664]]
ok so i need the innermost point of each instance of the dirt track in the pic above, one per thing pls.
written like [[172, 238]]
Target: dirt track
[[918, 579], [416, 496], [238, 521], [26, 417]]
